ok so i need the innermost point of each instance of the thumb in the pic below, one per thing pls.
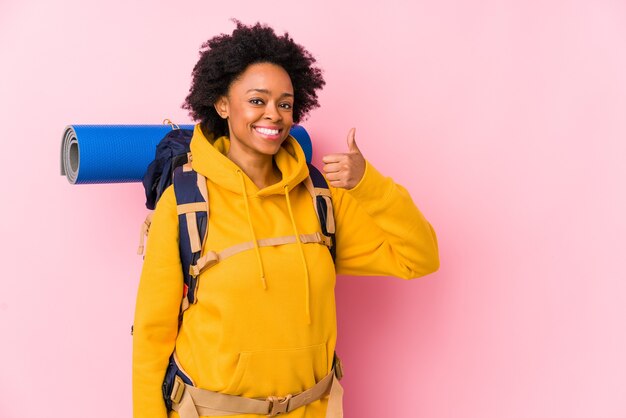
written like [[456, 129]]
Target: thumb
[[352, 142]]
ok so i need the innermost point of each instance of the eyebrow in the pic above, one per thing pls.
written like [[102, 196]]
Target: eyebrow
[[268, 92]]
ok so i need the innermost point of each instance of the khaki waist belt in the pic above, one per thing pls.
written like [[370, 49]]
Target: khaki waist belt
[[191, 402]]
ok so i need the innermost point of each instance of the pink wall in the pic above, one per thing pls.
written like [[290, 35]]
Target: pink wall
[[505, 119]]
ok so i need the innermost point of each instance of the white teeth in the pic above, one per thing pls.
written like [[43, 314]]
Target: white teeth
[[267, 131]]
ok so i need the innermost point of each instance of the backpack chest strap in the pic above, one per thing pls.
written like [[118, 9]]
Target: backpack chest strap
[[212, 257]]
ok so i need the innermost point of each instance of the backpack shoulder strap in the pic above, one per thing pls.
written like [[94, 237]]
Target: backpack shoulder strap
[[192, 205], [318, 187]]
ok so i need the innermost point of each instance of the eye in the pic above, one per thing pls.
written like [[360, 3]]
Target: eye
[[255, 101], [286, 105]]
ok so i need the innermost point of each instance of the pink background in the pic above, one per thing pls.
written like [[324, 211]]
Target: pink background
[[506, 120]]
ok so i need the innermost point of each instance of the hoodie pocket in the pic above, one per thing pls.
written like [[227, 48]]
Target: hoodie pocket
[[278, 372]]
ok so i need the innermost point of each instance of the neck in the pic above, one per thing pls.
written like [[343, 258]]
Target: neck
[[259, 168]]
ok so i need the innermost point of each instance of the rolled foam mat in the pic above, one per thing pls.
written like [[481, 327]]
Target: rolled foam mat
[[303, 138], [121, 153]]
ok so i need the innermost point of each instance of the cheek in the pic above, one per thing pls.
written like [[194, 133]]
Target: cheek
[[287, 118], [244, 116]]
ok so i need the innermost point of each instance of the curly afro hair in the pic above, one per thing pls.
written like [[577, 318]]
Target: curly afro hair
[[224, 57]]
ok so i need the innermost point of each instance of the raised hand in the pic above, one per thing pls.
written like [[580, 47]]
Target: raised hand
[[345, 170]]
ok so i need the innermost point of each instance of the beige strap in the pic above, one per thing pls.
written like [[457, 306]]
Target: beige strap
[[319, 191], [145, 227], [315, 238], [190, 402], [192, 229], [308, 183], [184, 305], [195, 401], [210, 258], [330, 217], [202, 187], [186, 407], [335, 400], [191, 207], [205, 194]]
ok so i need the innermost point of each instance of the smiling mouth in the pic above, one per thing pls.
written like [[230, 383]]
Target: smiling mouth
[[267, 131]]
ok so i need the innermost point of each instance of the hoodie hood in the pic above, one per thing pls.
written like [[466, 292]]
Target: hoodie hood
[[209, 159]]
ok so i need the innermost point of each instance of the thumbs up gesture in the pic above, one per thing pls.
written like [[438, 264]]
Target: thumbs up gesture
[[345, 170]]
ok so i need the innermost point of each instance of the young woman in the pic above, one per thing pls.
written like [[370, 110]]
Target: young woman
[[263, 329]]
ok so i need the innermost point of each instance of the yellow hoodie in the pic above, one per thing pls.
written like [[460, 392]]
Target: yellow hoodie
[[265, 322]]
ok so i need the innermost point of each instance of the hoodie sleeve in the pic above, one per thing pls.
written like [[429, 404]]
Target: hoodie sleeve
[[156, 313], [380, 231]]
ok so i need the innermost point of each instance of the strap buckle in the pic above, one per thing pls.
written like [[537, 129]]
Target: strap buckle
[[323, 239], [337, 367], [177, 390], [278, 405], [210, 259]]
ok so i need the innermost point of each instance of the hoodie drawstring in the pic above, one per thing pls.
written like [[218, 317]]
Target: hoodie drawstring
[[254, 240], [298, 239], [306, 269]]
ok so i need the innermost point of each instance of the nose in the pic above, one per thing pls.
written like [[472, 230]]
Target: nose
[[272, 112]]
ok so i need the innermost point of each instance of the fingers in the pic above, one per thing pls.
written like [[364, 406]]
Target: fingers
[[335, 168], [336, 176], [341, 173], [352, 141], [337, 179], [336, 172], [333, 158]]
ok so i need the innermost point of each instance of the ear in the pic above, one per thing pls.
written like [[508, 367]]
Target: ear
[[221, 107]]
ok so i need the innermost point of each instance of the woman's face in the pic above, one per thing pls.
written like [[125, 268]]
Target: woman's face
[[259, 108]]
